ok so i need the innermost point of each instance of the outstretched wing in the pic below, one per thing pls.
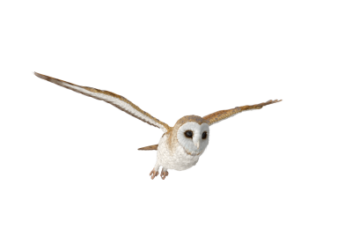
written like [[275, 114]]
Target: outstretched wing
[[151, 147], [109, 97], [224, 114]]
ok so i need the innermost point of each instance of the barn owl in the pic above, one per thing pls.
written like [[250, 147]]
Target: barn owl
[[180, 146]]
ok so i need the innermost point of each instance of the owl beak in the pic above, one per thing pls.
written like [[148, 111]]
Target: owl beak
[[197, 145]]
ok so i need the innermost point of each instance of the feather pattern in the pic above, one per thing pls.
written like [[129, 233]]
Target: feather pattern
[[114, 99], [224, 114]]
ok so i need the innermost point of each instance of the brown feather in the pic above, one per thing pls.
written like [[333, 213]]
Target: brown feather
[[150, 147], [94, 90], [224, 114]]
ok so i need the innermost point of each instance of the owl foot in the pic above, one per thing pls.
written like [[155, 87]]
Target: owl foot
[[164, 174], [153, 174]]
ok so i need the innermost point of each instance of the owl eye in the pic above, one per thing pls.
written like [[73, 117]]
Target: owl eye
[[189, 134], [204, 135]]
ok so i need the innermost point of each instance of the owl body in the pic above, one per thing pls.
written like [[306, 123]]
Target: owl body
[[174, 157], [180, 146]]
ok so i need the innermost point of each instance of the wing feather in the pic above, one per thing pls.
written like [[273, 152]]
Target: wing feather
[[224, 114], [114, 99]]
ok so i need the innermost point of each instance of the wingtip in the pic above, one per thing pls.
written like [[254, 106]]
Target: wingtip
[[276, 100], [42, 76]]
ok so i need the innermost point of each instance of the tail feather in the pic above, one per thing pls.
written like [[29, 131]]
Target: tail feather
[[150, 147]]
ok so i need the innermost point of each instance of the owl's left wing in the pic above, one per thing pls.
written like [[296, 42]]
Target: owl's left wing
[[224, 114], [114, 99]]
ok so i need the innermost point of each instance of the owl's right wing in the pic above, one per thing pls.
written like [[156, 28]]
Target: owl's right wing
[[114, 99], [224, 114]]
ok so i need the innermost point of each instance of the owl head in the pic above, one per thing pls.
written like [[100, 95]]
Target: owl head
[[192, 133]]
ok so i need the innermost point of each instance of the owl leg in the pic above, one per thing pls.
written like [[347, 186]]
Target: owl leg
[[164, 173], [154, 172]]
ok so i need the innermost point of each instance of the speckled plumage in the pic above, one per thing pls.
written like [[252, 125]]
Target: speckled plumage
[[180, 146], [174, 156]]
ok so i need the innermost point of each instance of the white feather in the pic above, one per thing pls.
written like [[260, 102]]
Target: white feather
[[117, 102]]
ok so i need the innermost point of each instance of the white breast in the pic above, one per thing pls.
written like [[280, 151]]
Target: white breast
[[176, 159]]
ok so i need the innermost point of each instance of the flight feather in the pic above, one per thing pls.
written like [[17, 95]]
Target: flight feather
[[114, 99], [224, 114]]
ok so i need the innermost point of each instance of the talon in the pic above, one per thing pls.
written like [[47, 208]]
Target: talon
[[164, 174], [153, 174]]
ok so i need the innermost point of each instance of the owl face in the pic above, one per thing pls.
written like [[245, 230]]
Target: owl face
[[193, 137]]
